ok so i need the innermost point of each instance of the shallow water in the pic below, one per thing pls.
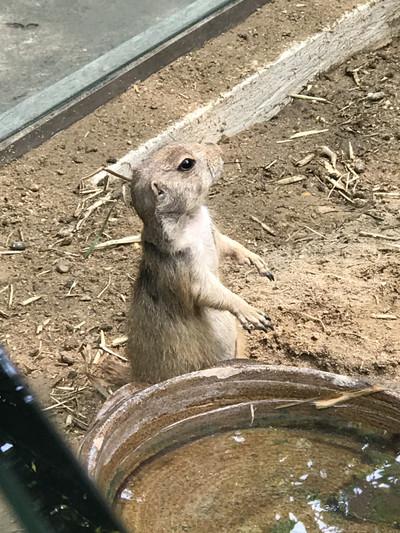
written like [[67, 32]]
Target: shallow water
[[268, 480]]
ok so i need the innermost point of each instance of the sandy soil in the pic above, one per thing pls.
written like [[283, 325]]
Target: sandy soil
[[335, 301]]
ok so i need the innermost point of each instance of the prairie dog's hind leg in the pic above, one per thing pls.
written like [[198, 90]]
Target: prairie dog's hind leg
[[227, 247]]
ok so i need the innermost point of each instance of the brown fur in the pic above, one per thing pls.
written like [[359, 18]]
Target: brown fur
[[182, 318]]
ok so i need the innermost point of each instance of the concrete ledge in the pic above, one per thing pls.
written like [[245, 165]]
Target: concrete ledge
[[263, 94]]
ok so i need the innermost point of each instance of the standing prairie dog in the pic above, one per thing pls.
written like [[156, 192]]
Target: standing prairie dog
[[182, 318]]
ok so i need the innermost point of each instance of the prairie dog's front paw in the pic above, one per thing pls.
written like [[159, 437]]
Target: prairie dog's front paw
[[251, 318], [260, 266], [255, 260]]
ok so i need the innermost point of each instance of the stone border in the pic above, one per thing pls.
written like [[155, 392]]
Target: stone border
[[261, 96]]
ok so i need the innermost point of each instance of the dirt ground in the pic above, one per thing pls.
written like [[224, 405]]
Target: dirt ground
[[335, 302]]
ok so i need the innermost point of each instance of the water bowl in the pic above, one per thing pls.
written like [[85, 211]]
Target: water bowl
[[243, 448]]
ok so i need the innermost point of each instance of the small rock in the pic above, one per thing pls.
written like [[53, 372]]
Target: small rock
[[85, 298], [106, 327], [69, 284], [66, 241], [70, 344], [111, 160], [34, 187], [382, 54], [325, 209], [65, 358], [359, 166], [62, 266], [375, 97], [17, 246], [360, 194], [60, 172], [66, 219], [77, 160], [64, 232]]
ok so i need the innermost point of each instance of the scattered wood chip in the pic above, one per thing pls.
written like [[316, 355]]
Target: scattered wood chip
[[325, 150], [301, 134], [310, 98], [383, 316], [31, 300], [117, 242], [351, 151], [331, 402], [108, 198], [315, 319], [11, 252], [263, 225], [106, 349], [375, 97], [305, 160], [97, 357], [116, 174], [389, 194], [294, 403], [43, 273], [78, 326], [41, 326], [103, 290], [270, 164], [314, 231], [325, 209], [92, 174], [325, 404], [353, 72], [291, 179], [119, 341], [336, 185], [379, 236], [390, 248], [10, 295]]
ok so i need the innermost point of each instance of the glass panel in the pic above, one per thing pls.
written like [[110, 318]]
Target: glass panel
[[52, 50], [8, 521]]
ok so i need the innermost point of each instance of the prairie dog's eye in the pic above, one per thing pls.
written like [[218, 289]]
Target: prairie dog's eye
[[186, 164]]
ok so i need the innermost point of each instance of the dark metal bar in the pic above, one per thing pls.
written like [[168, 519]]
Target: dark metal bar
[[46, 487]]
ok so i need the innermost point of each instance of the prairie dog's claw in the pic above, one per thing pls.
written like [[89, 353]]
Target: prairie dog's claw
[[260, 265], [253, 319], [268, 275]]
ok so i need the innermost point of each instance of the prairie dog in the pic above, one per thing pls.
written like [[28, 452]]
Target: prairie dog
[[182, 318]]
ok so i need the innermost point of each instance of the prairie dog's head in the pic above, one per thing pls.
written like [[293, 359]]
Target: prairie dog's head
[[175, 180]]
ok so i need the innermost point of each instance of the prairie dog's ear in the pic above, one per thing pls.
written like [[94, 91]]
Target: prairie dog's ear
[[158, 189]]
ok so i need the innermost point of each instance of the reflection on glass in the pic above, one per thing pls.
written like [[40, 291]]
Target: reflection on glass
[[52, 50]]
